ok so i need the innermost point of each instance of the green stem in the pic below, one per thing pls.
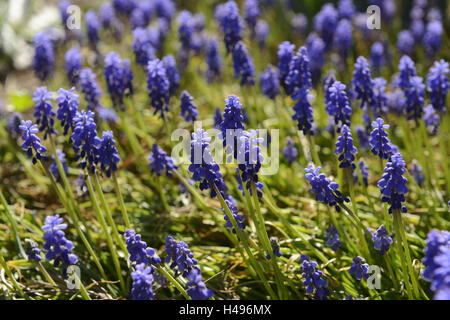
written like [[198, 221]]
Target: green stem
[[244, 240], [106, 232], [109, 217], [45, 273], [13, 222], [415, 285], [75, 221], [123, 208], [10, 275], [266, 242], [173, 281], [401, 254], [162, 195]]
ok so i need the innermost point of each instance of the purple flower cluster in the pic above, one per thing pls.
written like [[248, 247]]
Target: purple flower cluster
[[67, 108], [313, 279], [188, 108], [57, 247], [243, 65], [379, 142], [290, 152], [333, 239], [325, 190], [118, 77], [249, 160], [138, 250], [393, 184], [202, 166], [158, 86], [160, 161], [436, 261], [346, 149], [381, 239], [269, 82], [43, 111], [338, 105], [359, 268], [73, 61], [31, 142], [44, 56], [227, 14]]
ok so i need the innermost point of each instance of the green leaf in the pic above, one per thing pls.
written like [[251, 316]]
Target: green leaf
[[20, 100]]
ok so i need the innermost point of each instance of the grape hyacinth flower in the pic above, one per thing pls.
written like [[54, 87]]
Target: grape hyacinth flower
[[108, 156], [90, 89], [325, 190], [93, 27], [299, 24], [393, 185], [53, 167], [377, 59], [158, 86], [285, 54], [417, 28], [303, 111], [31, 142], [325, 23], [43, 111], [85, 140], [14, 122], [405, 42], [160, 161], [364, 170], [381, 239], [73, 61], [142, 288], [415, 99], [202, 166], [119, 78], [417, 173], [431, 119], [142, 46], [33, 252], [343, 38], [269, 82], [227, 14], [432, 39], [67, 108], [188, 108], [359, 268], [63, 6], [379, 142], [217, 118], [251, 14], [44, 56], [290, 152], [338, 105], [243, 65], [345, 149], [124, 7], [333, 240], [396, 101], [362, 82], [346, 9], [407, 71], [239, 218], [138, 250], [436, 261], [233, 123], [438, 84], [213, 60], [313, 279], [57, 247], [316, 53], [261, 33], [299, 75], [172, 73], [185, 29], [197, 288], [379, 98], [363, 138], [275, 248], [249, 160], [181, 258]]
